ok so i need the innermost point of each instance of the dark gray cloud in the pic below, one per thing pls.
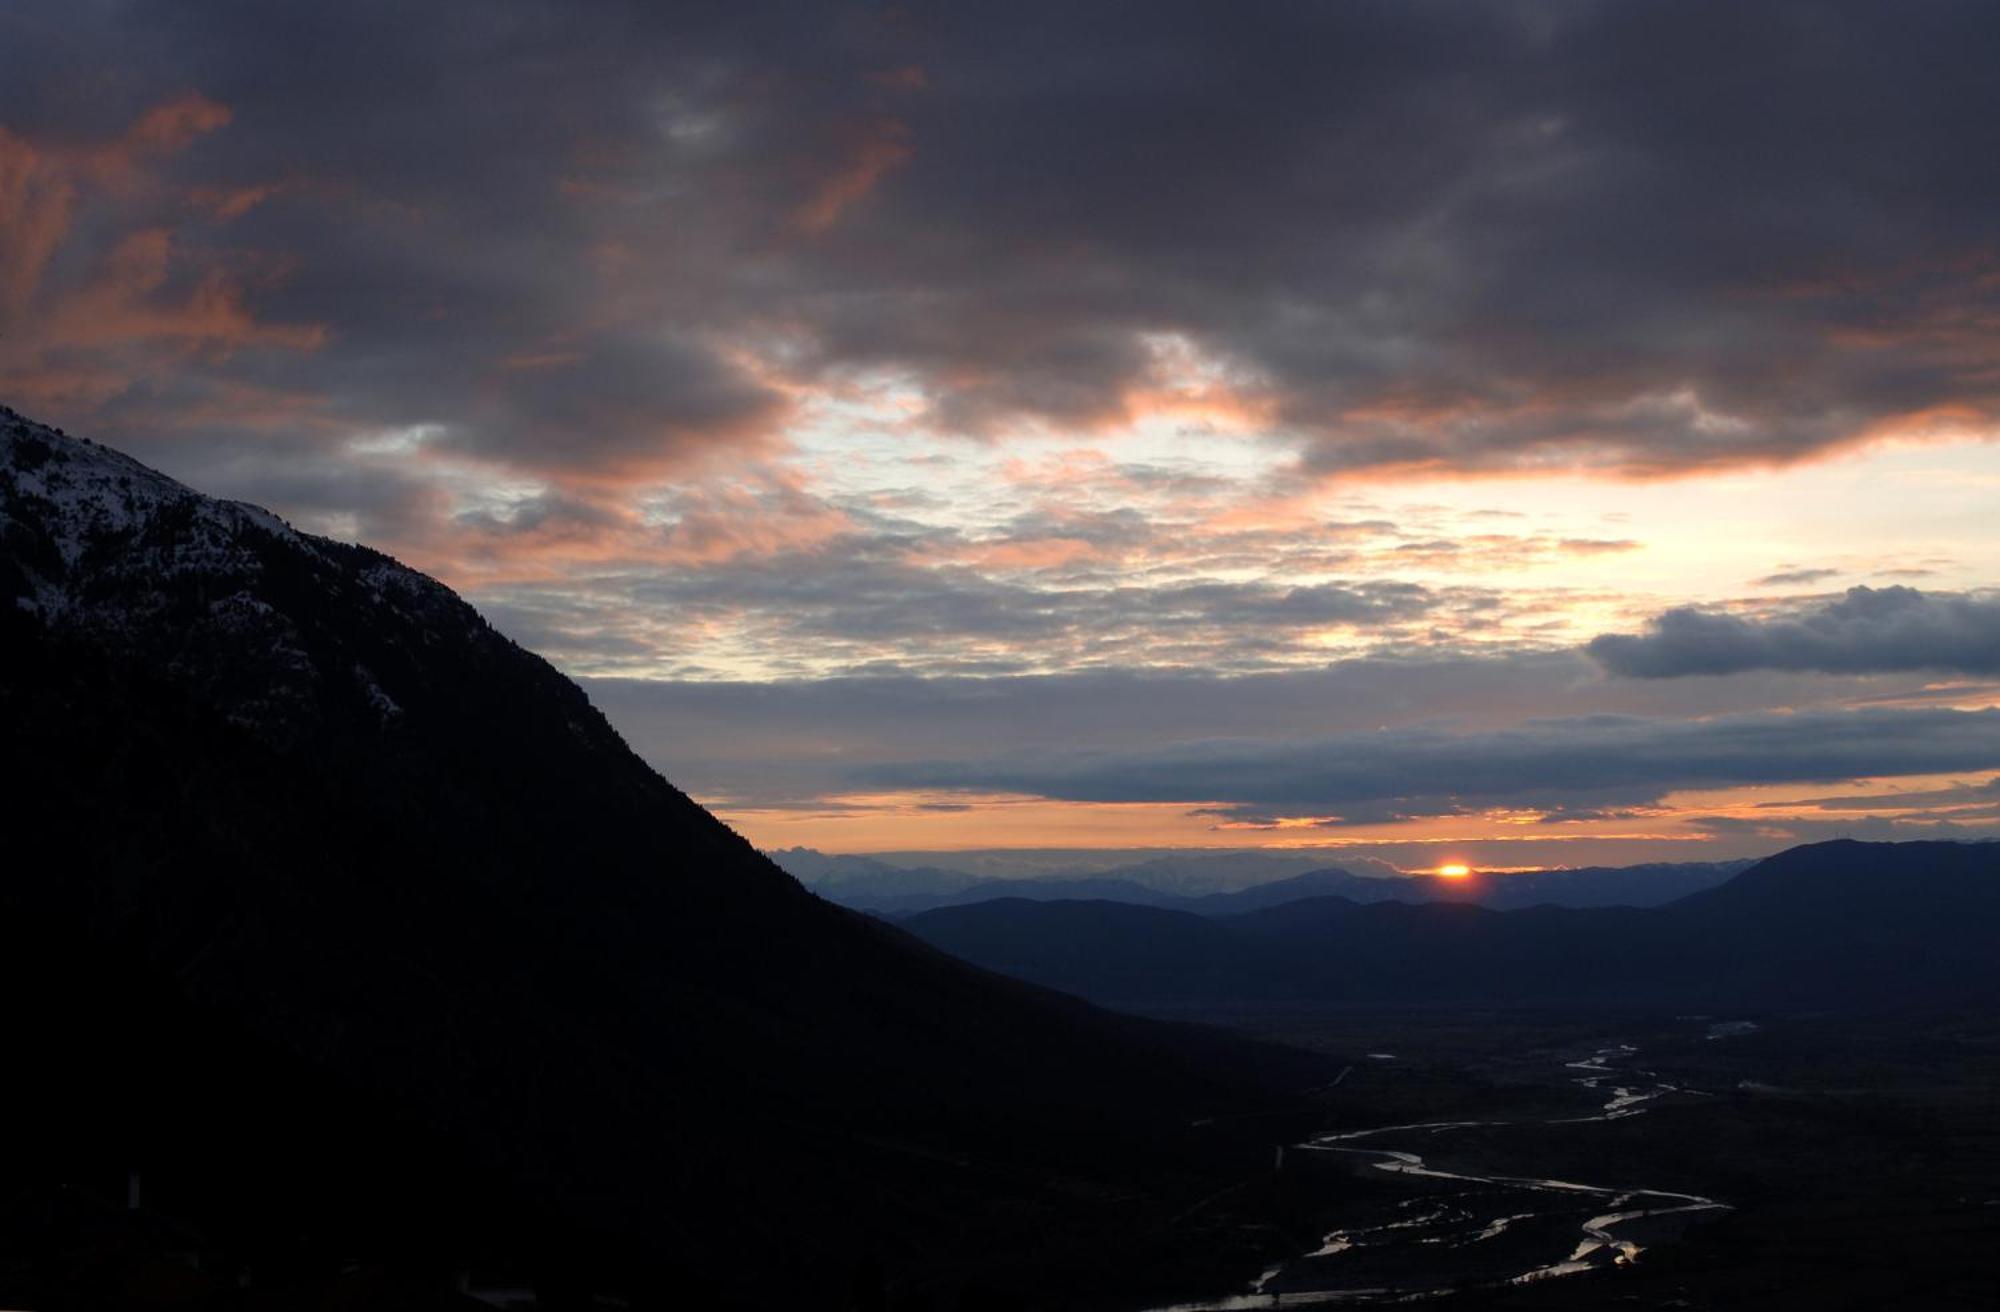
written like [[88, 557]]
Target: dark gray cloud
[[1612, 760], [588, 237], [623, 405], [1791, 577], [1958, 828], [1865, 630], [797, 740], [321, 492], [1959, 797]]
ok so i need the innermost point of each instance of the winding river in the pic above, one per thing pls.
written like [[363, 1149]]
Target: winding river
[[1460, 1228]]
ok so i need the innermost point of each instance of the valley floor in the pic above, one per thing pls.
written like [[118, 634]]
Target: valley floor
[[1858, 1158]]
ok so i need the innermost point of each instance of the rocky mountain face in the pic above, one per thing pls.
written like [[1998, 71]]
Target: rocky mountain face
[[313, 867]]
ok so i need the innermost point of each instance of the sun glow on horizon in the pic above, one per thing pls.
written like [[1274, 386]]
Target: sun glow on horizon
[[1454, 870]]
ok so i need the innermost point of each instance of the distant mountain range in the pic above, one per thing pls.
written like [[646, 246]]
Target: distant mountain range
[[1831, 925], [877, 886], [359, 929]]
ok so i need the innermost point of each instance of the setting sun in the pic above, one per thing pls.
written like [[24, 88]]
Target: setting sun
[[1454, 872]]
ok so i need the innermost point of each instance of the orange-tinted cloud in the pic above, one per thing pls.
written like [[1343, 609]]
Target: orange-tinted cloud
[[129, 300], [633, 527], [42, 182], [170, 127], [227, 203], [879, 148], [141, 300]]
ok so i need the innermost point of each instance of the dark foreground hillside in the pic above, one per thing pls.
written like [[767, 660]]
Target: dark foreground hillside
[[357, 932]]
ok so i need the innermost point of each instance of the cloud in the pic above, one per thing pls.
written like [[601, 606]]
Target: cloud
[[1874, 828], [1595, 760], [1476, 238], [878, 148], [1955, 798], [619, 408], [104, 284], [1865, 630], [1597, 546], [845, 602], [803, 738], [42, 184], [1792, 577], [1467, 237]]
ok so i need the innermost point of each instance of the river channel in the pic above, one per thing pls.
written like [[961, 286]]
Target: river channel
[[1459, 1227]]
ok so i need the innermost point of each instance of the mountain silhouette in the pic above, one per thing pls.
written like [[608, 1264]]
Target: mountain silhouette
[[867, 884], [1839, 924], [362, 929]]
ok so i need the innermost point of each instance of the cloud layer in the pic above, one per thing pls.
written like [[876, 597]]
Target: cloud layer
[[1543, 764], [1157, 374], [1864, 631], [785, 743], [612, 239]]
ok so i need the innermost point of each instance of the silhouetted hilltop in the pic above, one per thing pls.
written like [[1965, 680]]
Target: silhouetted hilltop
[[1850, 923], [1832, 925], [1648, 885], [1847, 878], [330, 873]]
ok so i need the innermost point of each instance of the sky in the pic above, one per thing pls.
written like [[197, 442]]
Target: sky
[[1530, 434]]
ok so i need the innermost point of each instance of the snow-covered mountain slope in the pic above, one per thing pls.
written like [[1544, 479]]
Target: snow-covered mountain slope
[[221, 594], [92, 500]]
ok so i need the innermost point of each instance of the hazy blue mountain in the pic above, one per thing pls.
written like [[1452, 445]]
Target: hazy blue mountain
[[866, 884], [915, 881], [1839, 924], [1313, 883], [869, 884], [882, 900], [1197, 874]]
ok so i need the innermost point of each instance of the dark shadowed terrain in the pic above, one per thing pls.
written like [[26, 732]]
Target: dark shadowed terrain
[[359, 933], [1779, 1093], [352, 960], [1852, 1158]]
